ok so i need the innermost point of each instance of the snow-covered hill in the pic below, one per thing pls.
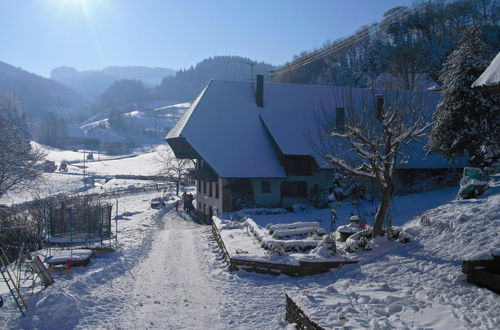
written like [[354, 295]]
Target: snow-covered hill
[[142, 125]]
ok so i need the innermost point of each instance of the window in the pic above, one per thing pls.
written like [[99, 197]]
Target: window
[[210, 191], [217, 190], [204, 187], [199, 187], [266, 187], [294, 189]]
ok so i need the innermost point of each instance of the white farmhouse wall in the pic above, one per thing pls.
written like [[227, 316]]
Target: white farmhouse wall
[[204, 200]]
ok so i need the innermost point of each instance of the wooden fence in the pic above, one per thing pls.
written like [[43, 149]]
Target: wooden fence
[[296, 315]]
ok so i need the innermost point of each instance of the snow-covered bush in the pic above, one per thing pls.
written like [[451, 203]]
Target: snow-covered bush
[[326, 248], [347, 186], [359, 240], [260, 211], [242, 201]]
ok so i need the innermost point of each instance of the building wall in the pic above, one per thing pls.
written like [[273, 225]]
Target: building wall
[[318, 181], [264, 194], [207, 197], [266, 197]]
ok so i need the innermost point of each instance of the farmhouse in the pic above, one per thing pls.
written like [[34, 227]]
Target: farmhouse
[[256, 144]]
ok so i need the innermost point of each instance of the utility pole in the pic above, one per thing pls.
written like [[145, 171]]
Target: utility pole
[[84, 183]]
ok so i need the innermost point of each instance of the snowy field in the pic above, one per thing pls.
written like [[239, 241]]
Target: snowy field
[[168, 273], [141, 162]]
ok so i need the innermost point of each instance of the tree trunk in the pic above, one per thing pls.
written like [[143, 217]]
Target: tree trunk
[[177, 189], [382, 211]]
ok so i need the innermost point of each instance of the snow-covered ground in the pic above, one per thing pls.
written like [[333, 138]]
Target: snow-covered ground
[[418, 285], [143, 162], [168, 273]]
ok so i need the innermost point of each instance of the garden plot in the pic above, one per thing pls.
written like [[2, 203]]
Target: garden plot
[[284, 243]]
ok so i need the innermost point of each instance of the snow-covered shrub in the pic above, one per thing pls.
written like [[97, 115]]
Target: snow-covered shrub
[[404, 237], [260, 211], [359, 240], [326, 248], [319, 199], [300, 207], [347, 186], [242, 201]]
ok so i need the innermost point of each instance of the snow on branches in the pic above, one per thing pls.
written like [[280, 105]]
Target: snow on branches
[[373, 140]]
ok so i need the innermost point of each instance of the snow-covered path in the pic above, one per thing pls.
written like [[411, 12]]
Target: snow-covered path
[[172, 289]]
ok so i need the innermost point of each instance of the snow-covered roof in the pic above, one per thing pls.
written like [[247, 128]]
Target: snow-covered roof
[[239, 139], [491, 76], [224, 127]]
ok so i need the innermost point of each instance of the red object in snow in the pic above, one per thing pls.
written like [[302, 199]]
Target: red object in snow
[[362, 225]]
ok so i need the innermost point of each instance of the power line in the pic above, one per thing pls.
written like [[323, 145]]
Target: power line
[[314, 56]]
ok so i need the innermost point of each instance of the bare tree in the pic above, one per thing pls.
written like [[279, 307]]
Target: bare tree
[[20, 163], [373, 138], [174, 170]]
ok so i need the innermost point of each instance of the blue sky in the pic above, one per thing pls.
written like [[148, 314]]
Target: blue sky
[[39, 35]]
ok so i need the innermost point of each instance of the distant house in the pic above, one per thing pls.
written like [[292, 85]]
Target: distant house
[[253, 144], [490, 79], [109, 141], [75, 138]]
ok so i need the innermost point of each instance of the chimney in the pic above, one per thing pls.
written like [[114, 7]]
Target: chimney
[[380, 106], [259, 95], [340, 118]]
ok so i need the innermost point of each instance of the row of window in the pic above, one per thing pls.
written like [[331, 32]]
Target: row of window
[[202, 188]]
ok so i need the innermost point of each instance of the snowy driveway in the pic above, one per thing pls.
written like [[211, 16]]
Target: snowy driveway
[[172, 289]]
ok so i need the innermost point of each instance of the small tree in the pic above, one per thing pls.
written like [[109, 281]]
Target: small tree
[[465, 119], [372, 140], [173, 169], [19, 162]]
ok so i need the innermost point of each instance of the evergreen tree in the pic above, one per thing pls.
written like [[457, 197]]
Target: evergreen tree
[[465, 120]]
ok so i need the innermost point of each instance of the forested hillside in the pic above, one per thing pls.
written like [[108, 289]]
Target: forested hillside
[[92, 83], [188, 83], [36, 94], [406, 48]]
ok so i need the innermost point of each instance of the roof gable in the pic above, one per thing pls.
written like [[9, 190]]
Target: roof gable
[[224, 127]]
